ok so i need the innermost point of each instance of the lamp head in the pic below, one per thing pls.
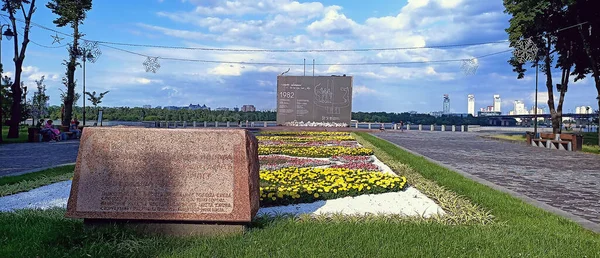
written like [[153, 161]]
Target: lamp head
[[8, 33]]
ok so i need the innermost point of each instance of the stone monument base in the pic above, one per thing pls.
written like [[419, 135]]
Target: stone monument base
[[171, 228]]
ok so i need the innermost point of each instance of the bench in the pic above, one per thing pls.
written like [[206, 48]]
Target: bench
[[569, 142], [64, 135]]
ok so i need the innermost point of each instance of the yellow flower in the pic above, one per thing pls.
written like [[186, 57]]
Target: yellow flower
[[316, 195]]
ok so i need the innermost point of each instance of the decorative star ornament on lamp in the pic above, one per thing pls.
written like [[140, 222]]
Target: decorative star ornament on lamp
[[469, 66], [56, 39], [151, 64], [525, 50]]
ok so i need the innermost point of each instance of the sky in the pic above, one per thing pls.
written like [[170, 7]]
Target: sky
[[289, 25]]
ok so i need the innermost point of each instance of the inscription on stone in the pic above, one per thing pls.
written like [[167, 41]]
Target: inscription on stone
[[314, 99], [164, 174]]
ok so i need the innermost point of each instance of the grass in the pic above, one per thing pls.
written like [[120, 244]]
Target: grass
[[520, 230], [590, 141], [21, 183], [22, 135], [459, 210]]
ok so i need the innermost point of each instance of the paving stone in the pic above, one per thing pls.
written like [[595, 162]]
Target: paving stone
[[16, 158], [562, 179]]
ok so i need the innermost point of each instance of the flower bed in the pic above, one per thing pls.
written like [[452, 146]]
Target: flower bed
[[301, 185], [274, 162], [314, 152], [354, 159], [358, 165], [275, 133], [289, 138], [309, 144]]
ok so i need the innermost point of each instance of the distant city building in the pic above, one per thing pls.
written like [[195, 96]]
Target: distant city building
[[437, 113], [459, 114], [171, 108], [147, 106], [198, 107], [471, 104], [487, 109], [497, 103], [413, 112], [158, 107], [446, 109], [519, 108], [540, 111], [222, 109], [248, 108], [584, 110]]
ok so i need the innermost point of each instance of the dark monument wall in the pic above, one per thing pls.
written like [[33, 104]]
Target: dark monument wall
[[314, 99]]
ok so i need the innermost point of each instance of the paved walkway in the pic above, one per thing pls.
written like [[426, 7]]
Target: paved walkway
[[19, 158], [569, 181]]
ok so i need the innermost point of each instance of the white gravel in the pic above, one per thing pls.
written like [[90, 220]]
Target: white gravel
[[410, 202], [53, 195]]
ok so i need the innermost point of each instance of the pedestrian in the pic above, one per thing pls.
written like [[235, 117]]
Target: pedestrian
[[401, 126]]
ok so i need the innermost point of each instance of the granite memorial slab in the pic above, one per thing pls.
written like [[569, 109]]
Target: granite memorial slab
[[166, 177]]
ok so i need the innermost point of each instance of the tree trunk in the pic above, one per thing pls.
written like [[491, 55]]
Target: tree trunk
[[548, 67], [13, 131], [71, 66], [15, 108], [595, 72]]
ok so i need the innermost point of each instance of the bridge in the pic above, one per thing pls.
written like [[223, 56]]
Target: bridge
[[547, 116]]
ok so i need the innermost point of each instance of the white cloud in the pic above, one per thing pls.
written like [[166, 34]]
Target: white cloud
[[333, 23], [226, 70], [362, 90]]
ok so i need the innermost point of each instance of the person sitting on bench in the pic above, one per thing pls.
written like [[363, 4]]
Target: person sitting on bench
[[51, 131], [74, 128]]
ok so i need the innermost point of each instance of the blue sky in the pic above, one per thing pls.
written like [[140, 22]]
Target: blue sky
[[287, 24]]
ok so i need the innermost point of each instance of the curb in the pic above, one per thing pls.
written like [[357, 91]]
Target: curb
[[36, 170], [579, 220]]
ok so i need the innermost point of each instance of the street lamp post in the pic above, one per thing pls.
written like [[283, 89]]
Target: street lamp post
[[8, 34], [89, 52], [535, 111]]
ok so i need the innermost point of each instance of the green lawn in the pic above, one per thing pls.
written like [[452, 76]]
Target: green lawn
[[22, 135], [519, 230], [590, 141], [15, 184]]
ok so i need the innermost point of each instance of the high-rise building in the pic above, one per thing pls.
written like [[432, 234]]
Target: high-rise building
[[471, 104], [584, 110], [540, 111], [248, 108], [520, 108], [497, 103], [147, 106], [446, 109]]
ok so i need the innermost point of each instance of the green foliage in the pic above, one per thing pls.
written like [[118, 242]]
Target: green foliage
[[70, 12], [157, 114], [95, 99], [39, 101], [12, 6]]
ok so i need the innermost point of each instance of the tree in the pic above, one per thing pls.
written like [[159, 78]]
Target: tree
[[96, 99], [585, 13], [39, 102], [70, 12], [540, 20], [6, 97], [12, 7]]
